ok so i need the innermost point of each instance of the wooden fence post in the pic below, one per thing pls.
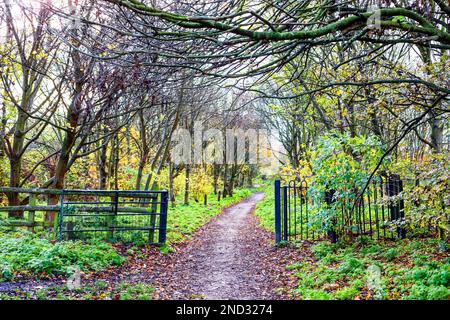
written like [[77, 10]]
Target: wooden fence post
[[31, 213]]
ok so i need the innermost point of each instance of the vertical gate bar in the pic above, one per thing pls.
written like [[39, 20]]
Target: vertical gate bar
[[289, 224], [154, 198], [358, 217], [363, 215], [382, 207], [163, 218], [370, 214], [61, 213], [277, 186], [391, 208], [376, 209], [114, 219], [282, 200], [397, 188], [306, 208], [401, 209], [350, 216], [285, 213], [301, 210], [295, 211], [396, 207]]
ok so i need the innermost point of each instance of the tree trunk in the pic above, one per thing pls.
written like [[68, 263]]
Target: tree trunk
[[171, 191], [70, 134], [225, 181], [144, 150], [142, 161], [114, 163], [62, 165], [186, 184], [15, 162], [437, 131], [102, 165], [215, 177]]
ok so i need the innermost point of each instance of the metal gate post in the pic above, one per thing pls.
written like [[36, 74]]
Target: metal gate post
[[394, 188], [61, 213], [163, 218], [401, 212], [329, 200], [277, 186], [285, 213]]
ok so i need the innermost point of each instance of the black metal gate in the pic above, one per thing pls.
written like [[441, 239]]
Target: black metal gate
[[125, 216], [378, 213]]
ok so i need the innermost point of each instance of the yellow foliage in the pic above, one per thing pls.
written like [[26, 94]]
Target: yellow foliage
[[303, 172], [200, 183]]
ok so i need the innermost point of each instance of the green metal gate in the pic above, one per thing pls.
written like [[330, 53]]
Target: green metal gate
[[122, 216]]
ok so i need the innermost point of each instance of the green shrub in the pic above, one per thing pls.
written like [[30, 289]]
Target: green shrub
[[31, 254], [427, 279], [321, 250], [348, 293], [350, 266], [309, 294], [371, 249], [335, 168], [330, 259], [439, 293], [390, 255], [138, 291]]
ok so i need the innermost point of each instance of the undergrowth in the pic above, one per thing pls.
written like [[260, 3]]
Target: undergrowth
[[366, 269], [28, 254], [405, 269], [99, 290]]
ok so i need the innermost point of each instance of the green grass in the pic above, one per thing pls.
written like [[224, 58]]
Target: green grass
[[99, 290], [184, 220], [264, 208], [23, 253], [406, 269]]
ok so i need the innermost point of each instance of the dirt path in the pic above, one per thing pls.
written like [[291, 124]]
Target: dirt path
[[230, 258]]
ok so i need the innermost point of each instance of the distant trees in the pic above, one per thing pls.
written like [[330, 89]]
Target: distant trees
[[350, 54], [84, 106]]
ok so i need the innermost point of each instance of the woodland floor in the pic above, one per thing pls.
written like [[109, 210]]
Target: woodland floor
[[230, 257]]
